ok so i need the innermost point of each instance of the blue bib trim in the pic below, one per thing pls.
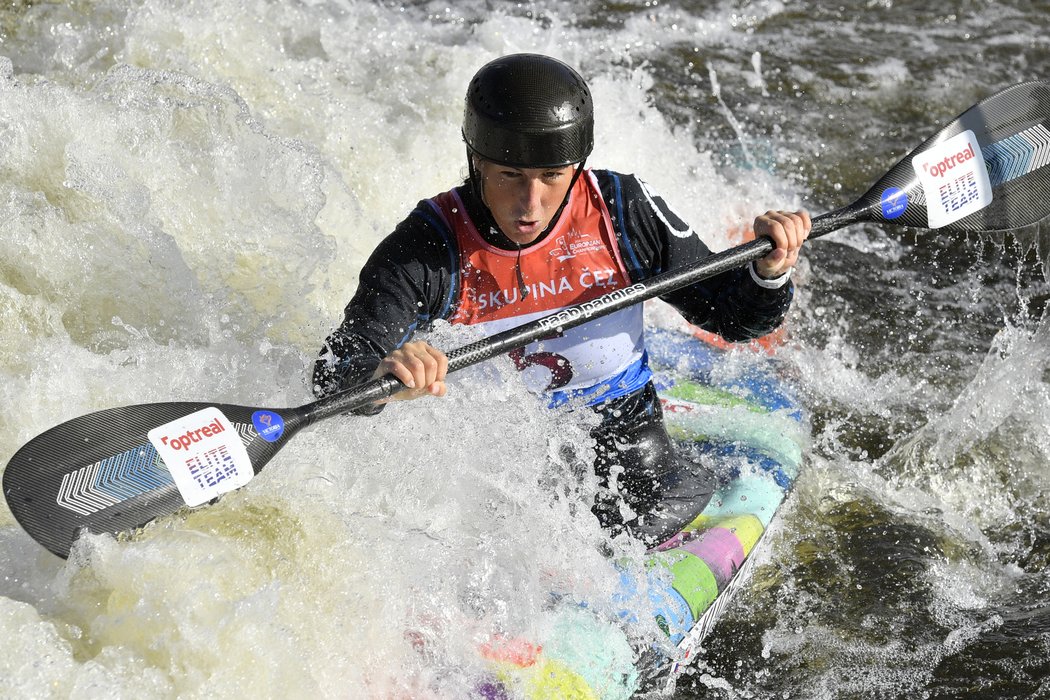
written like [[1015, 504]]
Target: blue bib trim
[[636, 376]]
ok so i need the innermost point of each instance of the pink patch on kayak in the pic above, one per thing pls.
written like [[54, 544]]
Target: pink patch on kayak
[[721, 550]]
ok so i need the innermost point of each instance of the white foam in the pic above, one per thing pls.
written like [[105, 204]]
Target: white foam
[[188, 194]]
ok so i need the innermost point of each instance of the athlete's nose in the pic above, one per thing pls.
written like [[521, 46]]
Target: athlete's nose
[[531, 200]]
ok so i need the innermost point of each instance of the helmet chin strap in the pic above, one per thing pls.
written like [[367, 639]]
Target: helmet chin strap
[[522, 289]]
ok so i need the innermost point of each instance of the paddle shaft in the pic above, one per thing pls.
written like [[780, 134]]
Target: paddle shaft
[[101, 472], [520, 336], [1011, 126]]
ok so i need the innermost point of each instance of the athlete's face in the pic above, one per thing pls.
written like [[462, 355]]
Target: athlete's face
[[523, 200]]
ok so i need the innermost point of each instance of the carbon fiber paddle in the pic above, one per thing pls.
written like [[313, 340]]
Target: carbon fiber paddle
[[118, 469]]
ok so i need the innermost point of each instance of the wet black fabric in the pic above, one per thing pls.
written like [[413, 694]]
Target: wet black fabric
[[648, 486]]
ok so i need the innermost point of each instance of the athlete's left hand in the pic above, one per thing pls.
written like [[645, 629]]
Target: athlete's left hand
[[788, 231]]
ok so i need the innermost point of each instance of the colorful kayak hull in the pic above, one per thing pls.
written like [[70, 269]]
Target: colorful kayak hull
[[730, 408]]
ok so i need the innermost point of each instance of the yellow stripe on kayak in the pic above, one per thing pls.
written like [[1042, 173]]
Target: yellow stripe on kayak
[[746, 526]]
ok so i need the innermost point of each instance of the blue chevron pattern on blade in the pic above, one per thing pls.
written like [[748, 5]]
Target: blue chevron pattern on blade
[[1017, 155], [109, 481], [134, 472], [120, 477]]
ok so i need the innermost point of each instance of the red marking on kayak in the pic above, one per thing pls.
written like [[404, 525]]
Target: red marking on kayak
[[516, 652]]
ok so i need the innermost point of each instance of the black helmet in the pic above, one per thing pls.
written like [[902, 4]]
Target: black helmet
[[529, 111]]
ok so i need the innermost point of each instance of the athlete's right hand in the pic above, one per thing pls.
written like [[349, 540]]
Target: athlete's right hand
[[419, 366]]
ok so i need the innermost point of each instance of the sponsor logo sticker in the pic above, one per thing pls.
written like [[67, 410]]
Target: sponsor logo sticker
[[894, 202], [269, 425], [954, 179], [204, 455]]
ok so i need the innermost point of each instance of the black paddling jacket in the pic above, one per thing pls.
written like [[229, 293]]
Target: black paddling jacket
[[410, 278]]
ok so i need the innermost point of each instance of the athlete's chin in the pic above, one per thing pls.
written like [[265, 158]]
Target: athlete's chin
[[524, 232]]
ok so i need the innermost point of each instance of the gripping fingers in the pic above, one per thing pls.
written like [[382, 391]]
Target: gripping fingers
[[420, 367], [788, 231]]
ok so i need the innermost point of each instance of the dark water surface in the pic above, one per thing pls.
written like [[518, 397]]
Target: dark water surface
[[892, 579], [255, 152]]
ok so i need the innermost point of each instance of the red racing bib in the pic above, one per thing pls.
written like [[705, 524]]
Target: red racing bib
[[577, 261]]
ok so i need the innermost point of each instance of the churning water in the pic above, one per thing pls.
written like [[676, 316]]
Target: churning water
[[188, 189]]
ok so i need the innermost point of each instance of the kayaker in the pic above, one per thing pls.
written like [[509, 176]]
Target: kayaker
[[529, 232]]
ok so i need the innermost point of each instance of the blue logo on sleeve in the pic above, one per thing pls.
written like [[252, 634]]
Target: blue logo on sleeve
[[269, 425], [894, 202]]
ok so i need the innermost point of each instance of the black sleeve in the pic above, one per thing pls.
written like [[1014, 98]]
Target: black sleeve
[[653, 239], [405, 284]]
